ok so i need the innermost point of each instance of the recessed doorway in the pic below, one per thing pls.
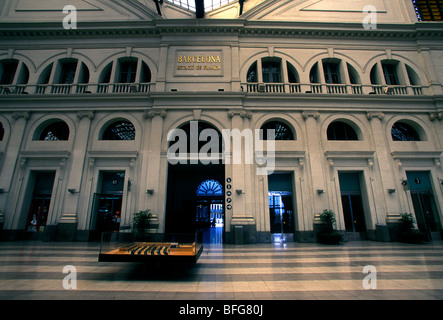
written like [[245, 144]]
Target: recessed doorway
[[281, 212], [195, 202], [424, 206], [40, 203], [107, 204], [352, 204]]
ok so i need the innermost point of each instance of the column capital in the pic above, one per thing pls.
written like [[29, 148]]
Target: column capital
[[25, 115], [83, 114], [241, 113], [149, 114], [372, 115], [435, 116], [307, 114]]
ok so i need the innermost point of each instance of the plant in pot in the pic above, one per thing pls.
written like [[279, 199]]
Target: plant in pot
[[408, 233], [141, 221], [327, 234]]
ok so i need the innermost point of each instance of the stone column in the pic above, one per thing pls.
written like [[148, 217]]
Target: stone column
[[10, 167], [242, 224], [67, 224], [151, 157], [161, 76], [317, 200], [429, 68], [387, 200]]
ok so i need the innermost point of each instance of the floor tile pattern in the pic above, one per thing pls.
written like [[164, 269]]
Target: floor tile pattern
[[34, 270]]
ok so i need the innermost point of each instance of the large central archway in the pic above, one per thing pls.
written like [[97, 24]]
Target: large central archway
[[195, 195]]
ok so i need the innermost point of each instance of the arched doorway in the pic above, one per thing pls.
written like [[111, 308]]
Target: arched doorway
[[209, 215], [193, 186]]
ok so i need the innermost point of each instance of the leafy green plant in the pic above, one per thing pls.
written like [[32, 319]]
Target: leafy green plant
[[142, 218], [327, 234], [408, 233], [327, 218]]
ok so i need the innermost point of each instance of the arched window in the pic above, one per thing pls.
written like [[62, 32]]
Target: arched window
[[13, 72], [8, 70], [339, 130], [271, 71], [55, 131], [119, 130], [282, 131], [393, 74], [2, 131], [210, 188], [331, 70], [251, 76], [127, 70], [402, 131]]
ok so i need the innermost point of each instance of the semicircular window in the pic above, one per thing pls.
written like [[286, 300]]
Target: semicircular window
[[339, 130], [119, 130], [404, 132], [210, 188], [56, 131], [2, 131], [281, 131]]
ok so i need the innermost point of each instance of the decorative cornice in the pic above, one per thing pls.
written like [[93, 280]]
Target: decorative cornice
[[243, 27]]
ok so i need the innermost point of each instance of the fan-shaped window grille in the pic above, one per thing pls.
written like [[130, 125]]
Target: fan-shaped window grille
[[2, 131], [282, 131], [404, 132], [56, 131], [210, 188], [119, 130]]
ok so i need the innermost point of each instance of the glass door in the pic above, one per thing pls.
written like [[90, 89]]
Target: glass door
[[107, 205], [40, 202], [426, 213], [281, 212], [352, 205]]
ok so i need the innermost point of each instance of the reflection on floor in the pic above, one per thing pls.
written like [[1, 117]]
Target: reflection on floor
[[284, 271], [213, 235]]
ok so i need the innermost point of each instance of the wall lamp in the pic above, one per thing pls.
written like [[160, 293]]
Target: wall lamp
[[391, 191], [72, 190], [150, 191], [320, 191], [239, 191]]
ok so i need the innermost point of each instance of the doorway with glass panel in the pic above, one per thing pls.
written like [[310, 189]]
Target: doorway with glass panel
[[281, 212], [107, 204], [352, 204], [424, 206]]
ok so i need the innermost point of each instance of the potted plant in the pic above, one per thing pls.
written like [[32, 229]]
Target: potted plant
[[327, 234], [408, 233], [141, 221]]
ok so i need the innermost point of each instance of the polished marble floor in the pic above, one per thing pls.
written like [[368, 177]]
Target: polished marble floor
[[285, 271]]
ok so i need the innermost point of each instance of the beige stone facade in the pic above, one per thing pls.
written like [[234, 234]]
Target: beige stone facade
[[348, 95]]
